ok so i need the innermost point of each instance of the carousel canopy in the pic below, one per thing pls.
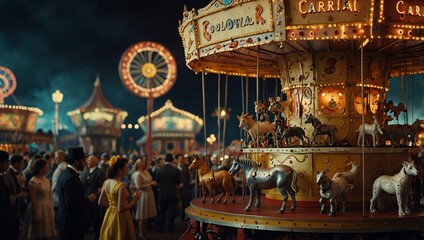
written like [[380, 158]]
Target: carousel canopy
[[245, 37], [169, 121], [97, 115]]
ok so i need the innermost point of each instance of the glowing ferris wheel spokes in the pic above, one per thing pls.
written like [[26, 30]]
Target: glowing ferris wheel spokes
[[148, 68]]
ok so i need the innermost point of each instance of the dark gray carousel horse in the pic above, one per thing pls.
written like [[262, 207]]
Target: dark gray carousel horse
[[298, 132], [283, 177], [321, 129]]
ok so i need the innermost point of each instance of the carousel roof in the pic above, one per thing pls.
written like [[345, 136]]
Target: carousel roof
[[97, 101], [97, 98], [249, 37], [171, 120]]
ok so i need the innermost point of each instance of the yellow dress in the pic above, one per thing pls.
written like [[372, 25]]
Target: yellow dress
[[116, 225]]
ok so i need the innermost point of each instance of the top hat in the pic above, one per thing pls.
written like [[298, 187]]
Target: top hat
[[76, 153], [169, 157], [4, 156]]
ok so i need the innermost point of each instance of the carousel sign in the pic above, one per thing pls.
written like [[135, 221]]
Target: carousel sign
[[306, 6], [237, 21], [330, 11], [404, 9]]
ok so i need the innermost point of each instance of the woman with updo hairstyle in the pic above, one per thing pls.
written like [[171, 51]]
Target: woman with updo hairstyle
[[39, 222], [117, 222]]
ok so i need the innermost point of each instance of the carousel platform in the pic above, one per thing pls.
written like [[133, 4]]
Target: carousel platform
[[303, 221]]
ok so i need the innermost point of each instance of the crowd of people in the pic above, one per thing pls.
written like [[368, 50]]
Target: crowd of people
[[65, 195]]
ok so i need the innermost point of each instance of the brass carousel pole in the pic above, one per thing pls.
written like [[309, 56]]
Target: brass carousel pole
[[149, 124]]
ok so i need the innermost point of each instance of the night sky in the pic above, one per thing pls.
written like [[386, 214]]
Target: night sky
[[63, 45]]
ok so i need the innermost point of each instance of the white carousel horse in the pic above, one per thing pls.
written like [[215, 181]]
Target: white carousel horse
[[282, 177], [399, 184], [372, 129], [336, 188]]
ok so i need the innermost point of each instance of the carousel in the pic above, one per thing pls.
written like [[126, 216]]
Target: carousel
[[333, 61], [173, 130], [98, 122], [17, 122]]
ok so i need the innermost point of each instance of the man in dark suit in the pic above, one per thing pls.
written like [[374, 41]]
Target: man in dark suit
[[92, 179], [6, 209], [73, 206], [169, 181], [185, 191], [15, 182]]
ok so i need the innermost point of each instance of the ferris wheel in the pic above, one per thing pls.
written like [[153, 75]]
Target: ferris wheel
[[148, 69], [7, 83]]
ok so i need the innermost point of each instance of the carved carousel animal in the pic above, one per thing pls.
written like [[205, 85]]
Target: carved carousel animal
[[401, 135], [261, 111], [298, 132], [410, 132], [283, 177], [336, 188], [321, 129], [396, 110], [256, 130], [371, 129], [276, 108], [210, 180], [399, 184]]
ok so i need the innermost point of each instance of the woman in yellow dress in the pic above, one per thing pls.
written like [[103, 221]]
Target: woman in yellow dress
[[117, 223]]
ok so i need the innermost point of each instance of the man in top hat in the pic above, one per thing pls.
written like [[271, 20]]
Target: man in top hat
[[73, 206], [169, 181], [6, 209]]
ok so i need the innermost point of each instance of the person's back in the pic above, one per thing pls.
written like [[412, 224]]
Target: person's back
[[169, 180], [117, 222], [72, 203]]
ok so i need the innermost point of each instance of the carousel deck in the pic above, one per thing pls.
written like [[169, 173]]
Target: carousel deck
[[304, 219]]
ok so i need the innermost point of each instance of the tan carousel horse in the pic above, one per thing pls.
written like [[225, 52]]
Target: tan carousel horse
[[210, 180], [256, 130]]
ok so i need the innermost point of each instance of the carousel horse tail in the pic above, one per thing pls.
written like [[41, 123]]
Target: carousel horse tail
[[294, 181]]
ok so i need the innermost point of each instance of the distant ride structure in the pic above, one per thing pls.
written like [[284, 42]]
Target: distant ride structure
[[148, 69], [334, 60], [97, 122], [173, 129], [18, 123]]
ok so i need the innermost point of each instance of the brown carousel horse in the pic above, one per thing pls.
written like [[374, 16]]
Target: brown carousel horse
[[210, 180], [396, 110], [321, 129]]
